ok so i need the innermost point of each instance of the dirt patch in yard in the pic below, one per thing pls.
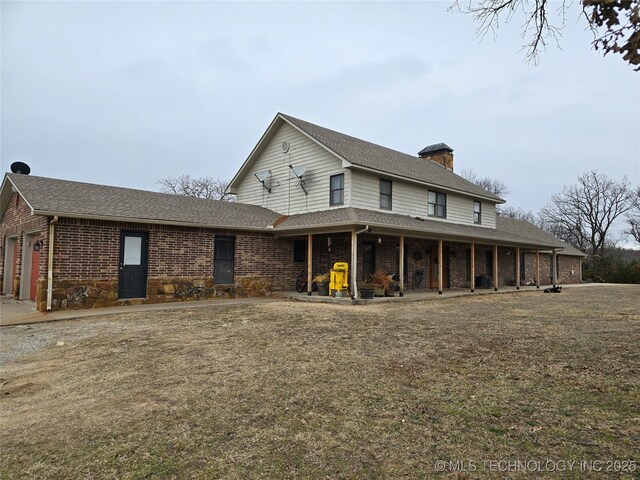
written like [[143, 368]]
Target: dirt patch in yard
[[296, 390]]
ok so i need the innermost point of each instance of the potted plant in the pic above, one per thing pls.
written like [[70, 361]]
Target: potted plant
[[366, 290], [393, 286], [382, 281], [322, 282]]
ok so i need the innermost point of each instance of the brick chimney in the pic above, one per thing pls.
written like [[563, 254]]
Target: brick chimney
[[440, 153]]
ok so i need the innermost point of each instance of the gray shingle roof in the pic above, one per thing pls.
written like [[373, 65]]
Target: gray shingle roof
[[508, 231], [382, 159], [77, 199]]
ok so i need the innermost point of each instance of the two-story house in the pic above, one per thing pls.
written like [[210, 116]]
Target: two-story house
[[382, 209], [306, 197]]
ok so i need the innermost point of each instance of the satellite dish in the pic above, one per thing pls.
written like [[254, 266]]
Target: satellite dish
[[297, 172], [20, 167], [262, 177], [285, 146]]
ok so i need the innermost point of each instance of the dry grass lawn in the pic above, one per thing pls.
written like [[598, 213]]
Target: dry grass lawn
[[297, 390]]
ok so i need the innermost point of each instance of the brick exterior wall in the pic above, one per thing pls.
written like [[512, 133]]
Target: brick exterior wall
[[16, 221], [180, 262]]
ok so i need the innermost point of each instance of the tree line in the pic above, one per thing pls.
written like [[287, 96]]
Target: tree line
[[584, 215]]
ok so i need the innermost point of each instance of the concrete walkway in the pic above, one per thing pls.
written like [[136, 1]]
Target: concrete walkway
[[21, 312]]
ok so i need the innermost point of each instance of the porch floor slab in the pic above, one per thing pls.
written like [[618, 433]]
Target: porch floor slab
[[412, 296]]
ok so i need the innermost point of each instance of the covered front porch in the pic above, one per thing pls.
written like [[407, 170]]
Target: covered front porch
[[422, 264]]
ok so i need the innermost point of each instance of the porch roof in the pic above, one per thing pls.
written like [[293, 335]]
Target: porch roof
[[508, 231]]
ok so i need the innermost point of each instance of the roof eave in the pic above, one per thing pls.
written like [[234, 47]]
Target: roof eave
[[152, 221], [247, 163], [242, 172], [496, 200], [420, 233], [3, 196]]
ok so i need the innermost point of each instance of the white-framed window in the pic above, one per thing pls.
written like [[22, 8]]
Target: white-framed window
[[437, 204], [385, 194], [336, 189], [477, 212]]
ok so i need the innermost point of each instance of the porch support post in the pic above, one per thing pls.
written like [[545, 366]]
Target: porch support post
[[495, 268], [354, 264], [537, 268], [401, 266], [309, 263], [473, 266], [555, 269], [440, 262], [517, 268]]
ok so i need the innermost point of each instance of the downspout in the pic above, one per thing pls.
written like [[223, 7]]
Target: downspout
[[354, 260], [555, 267], [50, 264]]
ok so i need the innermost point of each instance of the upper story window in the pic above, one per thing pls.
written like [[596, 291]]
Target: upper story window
[[437, 204], [336, 189], [385, 194], [477, 212]]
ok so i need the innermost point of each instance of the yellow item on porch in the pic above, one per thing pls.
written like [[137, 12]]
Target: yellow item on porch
[[339, 278]]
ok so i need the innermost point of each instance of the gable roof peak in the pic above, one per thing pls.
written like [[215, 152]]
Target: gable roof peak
[[370, 156]]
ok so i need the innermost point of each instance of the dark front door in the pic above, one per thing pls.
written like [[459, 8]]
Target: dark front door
[[223, 261], [133, 265], [489, 260], [368, 260]]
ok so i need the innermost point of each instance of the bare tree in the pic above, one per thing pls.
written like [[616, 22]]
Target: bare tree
[[614, 23], [518, 213], [203, 187], [633, 217], [583, 214], [492, 185]]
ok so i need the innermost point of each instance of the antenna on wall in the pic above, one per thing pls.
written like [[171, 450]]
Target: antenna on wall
[[298, 172], [262, 178]]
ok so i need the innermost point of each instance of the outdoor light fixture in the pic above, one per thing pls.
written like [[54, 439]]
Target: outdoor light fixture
[[509, 253], [379, 239]]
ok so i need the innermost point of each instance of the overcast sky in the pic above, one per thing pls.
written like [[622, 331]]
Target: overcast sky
[[127, 93]]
